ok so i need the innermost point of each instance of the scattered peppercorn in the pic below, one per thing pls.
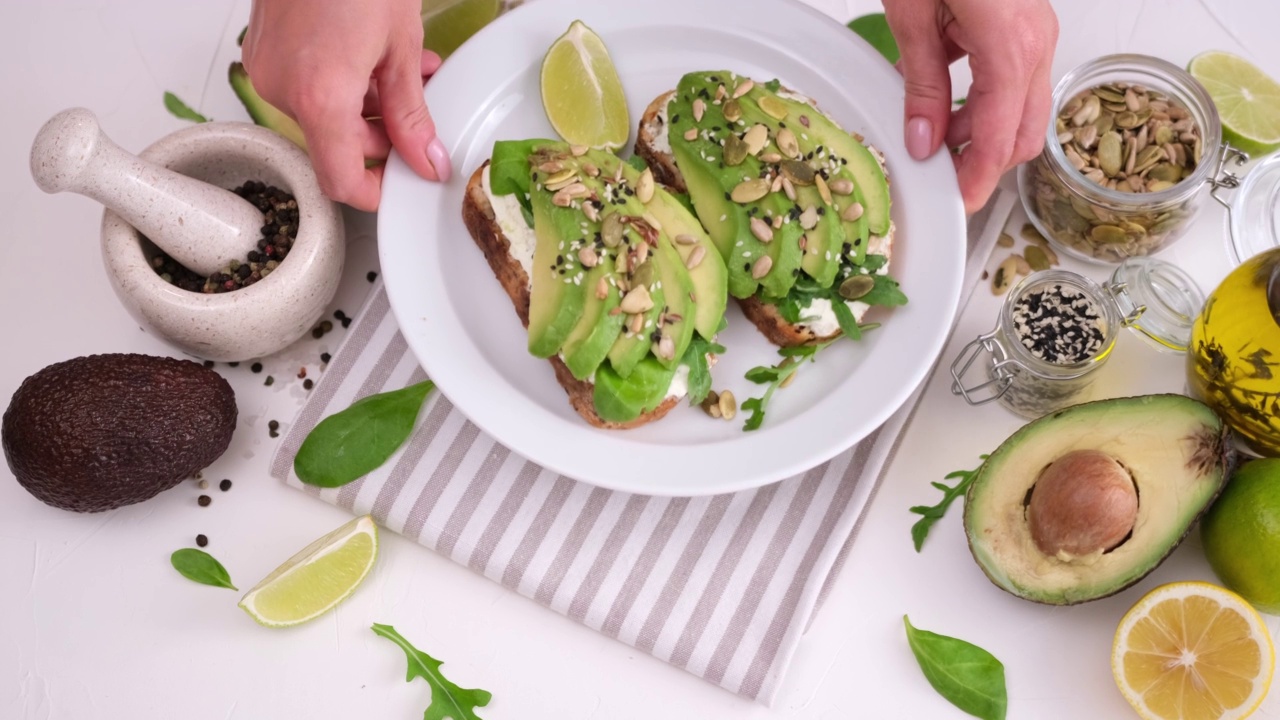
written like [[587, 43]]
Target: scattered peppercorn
[[371, 276], [308, 384], [273, 428], [346, 323], [339, 315], [270, 381], [208, 364], [225, 485], [256, 367], [325, 358], [204, 500], [302, 372], [279, 231], [234, 364], [317, 333], [203, 484]]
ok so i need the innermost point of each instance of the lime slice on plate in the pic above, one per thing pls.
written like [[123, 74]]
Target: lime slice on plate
[[1248, 100], [446, 24], [582, 93], [319, 577]]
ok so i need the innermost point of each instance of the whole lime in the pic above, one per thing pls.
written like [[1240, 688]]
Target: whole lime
[[1241, 534]]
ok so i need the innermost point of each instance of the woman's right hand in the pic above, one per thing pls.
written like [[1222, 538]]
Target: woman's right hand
[[350, 72]]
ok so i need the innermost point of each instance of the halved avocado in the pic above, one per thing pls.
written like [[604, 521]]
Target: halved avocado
[[1085, 502]]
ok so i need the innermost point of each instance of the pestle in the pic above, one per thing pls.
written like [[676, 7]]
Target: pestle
[[201, 226]]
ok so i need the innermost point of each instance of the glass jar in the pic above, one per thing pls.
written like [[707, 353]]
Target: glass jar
[[1234, 363], [1151, 297], [1092, 221]]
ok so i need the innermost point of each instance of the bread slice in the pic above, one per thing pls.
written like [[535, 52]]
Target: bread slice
[[481, 221], [650, 139]]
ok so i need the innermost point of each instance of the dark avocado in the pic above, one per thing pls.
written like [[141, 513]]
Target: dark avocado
[[101, 432]]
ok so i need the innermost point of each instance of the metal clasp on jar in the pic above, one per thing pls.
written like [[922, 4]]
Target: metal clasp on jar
[[999, 374], [1223, 178]]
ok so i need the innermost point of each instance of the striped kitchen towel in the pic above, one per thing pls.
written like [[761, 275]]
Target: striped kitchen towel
[[723, 587]]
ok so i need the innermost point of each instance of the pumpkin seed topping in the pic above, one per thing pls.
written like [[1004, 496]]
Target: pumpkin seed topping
[[856, 286], [750, 191]]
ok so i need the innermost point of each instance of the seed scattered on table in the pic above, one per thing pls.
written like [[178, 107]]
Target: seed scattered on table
[[201, 540], [203, 484], [371, 276], [308, 384], [225, 485], [256, 367], [325, 358], [273, 428], [269, 381], [204, 500]]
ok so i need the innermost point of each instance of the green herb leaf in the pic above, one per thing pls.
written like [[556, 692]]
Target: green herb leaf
[[755, 406], [447, 700], [932, 514], [181, 110], [848, 323], [762, 375], [527, 214], [886, 292], [969, 677], [774, 376], [699, 369], [874, 28], [352, 443], [509, 167], [240, 37], [773, 85], [201, 567], [959, 101], [638, 163], [873, 263]]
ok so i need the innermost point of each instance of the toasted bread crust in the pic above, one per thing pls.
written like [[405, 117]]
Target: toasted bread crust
[[478, 215], [663, 164]]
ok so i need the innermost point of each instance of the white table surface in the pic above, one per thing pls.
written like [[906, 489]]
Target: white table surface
[[95, 624]]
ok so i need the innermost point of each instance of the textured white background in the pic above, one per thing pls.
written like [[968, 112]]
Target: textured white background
[[94, 623]]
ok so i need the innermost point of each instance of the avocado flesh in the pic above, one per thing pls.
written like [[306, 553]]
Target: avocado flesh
[[620, 400], [677, 287], [710, 277], [555, 302], [1172, 446], [630, 348], [589, 343], [263, 112]]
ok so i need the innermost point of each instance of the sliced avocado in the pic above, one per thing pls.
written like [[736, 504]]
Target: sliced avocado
[[556, 301], [262, 112], [598, 329], [1083, 503], [619, 399], [630, 348], [710, 276], [677, 291], [823, 244], [855, 159]]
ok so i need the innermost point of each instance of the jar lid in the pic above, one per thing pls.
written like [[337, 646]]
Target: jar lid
[[1158, 300], [1254, 215]]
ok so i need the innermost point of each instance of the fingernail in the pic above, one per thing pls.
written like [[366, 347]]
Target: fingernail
[[439, 158], [919, 137]]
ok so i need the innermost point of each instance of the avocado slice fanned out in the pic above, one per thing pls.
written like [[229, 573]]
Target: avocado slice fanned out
[[1083, 503]]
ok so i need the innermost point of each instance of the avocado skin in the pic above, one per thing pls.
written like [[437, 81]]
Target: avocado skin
[[100, 432]]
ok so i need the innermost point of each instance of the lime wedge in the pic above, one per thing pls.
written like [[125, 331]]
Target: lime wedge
[[581, 91], [319, 577], [446, 24], [1248, 100]]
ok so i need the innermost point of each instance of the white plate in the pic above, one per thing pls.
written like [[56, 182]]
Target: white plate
[[460, 324]]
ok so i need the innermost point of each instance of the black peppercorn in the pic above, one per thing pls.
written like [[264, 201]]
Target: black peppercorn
[[270, 381], [256, 367], [201, 540], [371, 276], [308, 384], [225, 485], [325, 358], [204, 500]]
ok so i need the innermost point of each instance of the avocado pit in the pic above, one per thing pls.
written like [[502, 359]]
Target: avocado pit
[[1083, 503]]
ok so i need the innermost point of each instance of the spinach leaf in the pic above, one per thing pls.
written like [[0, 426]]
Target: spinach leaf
[[932, 514], [875, 30], [886, 292], [181, 110], [699, 369], [509, 167], [447, 699], [201, 567], [356, 441], [969, 677]]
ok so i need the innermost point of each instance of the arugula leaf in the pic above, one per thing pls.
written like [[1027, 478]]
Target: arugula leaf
[[775, 377], [509, 167], [201, 567], [873, 263], [638, 163], [848, 323], [181, 110], [886, 292], [699, 370], [356, 441], [874, 28], [930, 515], [240, 37], [969, 677], [773, 85], [447, 699]]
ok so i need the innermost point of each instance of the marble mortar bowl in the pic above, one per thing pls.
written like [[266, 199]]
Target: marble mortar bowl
[[243, 324]]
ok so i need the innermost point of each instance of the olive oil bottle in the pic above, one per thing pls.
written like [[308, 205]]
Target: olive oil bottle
[[1234, 363]]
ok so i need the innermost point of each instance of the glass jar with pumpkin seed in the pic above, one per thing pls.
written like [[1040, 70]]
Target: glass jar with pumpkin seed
[[1131, 145]]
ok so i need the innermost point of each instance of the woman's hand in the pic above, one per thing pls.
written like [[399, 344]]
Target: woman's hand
[[1010, 45], [350, 72]]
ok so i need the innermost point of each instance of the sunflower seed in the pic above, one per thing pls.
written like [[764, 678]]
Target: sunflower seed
[[841, 186], [637, 301], [588, 257], [761, 267], [823, 190], [683, 239], [691, 134], [695, 257], [699, 109], [551, 166], [636, 324], [852, 213], [653, 221], [602, 289], [644, 187], [776, 185], [590, 170], [666, 349], [743, 88], [591, 211], [561, 199], [809, 218], [761, 230], [789, 188], [772, 158], [578, 150]]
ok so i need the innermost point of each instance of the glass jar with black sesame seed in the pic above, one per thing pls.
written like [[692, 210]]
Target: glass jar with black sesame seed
[[1058, 328]]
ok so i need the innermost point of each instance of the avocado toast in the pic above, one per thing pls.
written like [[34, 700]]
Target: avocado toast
[[614, 279], [798, 207]]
